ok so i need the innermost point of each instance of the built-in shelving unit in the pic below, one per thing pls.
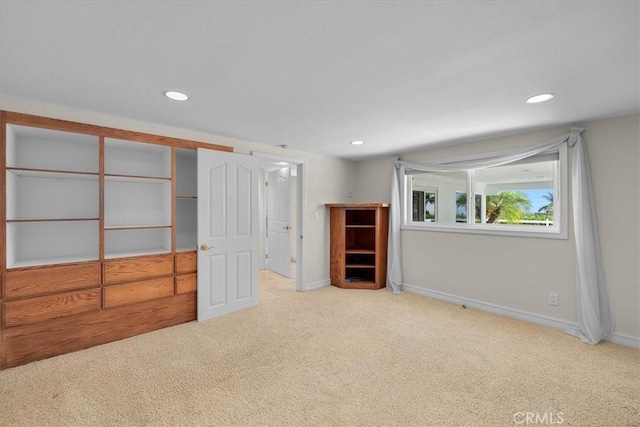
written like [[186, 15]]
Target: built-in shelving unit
[[97, 235], [52, 203], [358, 245]]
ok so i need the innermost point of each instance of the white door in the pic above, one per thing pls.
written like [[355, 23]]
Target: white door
[[278, 224], [227, 232]]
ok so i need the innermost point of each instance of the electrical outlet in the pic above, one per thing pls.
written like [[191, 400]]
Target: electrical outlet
[[553, 299]]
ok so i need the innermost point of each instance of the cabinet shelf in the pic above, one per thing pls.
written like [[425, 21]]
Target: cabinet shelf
[[361, 251], [53, 260], [359, 266], [360, 226], [136, 178], [50, 219], [186, 248], [53, 173], [135, 227], [139, 252]]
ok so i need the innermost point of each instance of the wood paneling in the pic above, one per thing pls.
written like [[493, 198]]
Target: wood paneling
[[25, 344], [186, 283], [131, 293], [3, 193], [45, 280], [382, 238], [135, 268], [34, 310], [186, 262], [337, 244]]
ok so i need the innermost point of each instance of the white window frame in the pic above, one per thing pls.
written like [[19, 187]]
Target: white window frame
[[559, 230]]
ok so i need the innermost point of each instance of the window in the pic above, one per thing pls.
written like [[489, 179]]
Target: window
[[520, 198]]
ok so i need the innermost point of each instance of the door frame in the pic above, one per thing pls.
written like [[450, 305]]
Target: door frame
[[268, 160]]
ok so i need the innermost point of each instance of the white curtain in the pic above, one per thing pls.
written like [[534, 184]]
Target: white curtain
[[595, 320], [394, 249]]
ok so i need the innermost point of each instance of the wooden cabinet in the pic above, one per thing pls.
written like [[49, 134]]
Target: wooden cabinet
[[97, 235], [358, 245]]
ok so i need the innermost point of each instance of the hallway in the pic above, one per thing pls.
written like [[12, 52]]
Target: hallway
[[273, 285]]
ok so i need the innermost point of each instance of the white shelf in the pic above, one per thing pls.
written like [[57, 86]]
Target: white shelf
[[53, 174], [136, 227], [54, 260], [136, 241], [37, 148], [140, 252], [136, 158], [33, 243], [45, 195], [136, 179], [186, 248]]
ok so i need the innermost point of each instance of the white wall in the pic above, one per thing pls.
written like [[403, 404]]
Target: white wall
[[326, 177], [519, 273]]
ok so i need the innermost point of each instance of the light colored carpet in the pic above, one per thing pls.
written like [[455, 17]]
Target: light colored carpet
[[333, 357]]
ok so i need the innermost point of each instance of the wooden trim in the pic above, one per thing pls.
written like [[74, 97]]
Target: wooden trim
[[174, 180], [28, 343], [135, 227], [357, 205], [337, 244], [52, 171], [3, 196], [101, 198], [140, 177], [67, 126], [51, 219], [382, 240]]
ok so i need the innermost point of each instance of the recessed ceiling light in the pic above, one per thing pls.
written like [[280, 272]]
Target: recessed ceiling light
[[176, 96], [357, 142], [540, 98]]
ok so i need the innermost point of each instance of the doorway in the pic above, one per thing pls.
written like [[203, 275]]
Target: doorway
[[281, 204]]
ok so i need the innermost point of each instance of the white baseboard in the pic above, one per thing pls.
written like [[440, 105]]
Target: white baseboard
[[316, 285], [538, 319], [624, 339]]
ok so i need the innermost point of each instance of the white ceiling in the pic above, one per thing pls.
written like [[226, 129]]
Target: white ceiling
[[317, 75]]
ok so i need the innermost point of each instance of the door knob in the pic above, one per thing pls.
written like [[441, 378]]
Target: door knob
[[287, 227], [204, 247]]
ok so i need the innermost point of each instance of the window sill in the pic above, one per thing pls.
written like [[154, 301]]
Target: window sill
[[492, 230]]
